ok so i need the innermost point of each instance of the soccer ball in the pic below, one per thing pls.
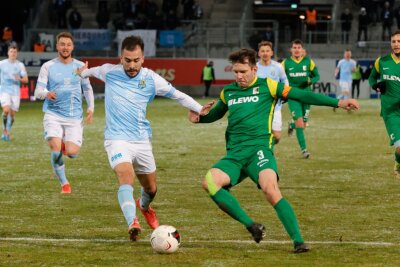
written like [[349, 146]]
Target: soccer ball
[[165, 239]]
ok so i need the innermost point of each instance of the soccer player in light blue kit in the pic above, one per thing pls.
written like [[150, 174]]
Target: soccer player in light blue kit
[[61, 88], [345, 68], [267, 67], [129, 88], [12, 74]]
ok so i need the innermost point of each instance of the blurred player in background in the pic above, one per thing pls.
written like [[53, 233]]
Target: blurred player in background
[[129, 88], [61, 90], [267, 67], [344, 69], [385, 78], [249, 143], [301, 72], [12, 74]]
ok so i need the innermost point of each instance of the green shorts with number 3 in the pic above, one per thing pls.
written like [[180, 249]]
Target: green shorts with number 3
[[247, 161]]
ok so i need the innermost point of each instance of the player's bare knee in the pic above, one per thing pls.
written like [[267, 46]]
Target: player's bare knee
[[204, 185], [398, 150]]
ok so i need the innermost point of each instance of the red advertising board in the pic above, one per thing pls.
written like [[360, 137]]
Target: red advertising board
[[176, 71]]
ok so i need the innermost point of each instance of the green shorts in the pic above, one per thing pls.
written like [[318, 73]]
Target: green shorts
[[247, 161], [298, 109], [392, 124]]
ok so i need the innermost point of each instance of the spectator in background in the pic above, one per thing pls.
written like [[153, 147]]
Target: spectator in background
[[346, 19], [7, 40], [255, 39], [75, 19], [61, 10], [38, 46], [197, 10], [187, 9], [357, 75], [311, 21], [387, 20], [102, 16], [269, 35], [363, 21], [172, 21], [208, 77], [397, 16]]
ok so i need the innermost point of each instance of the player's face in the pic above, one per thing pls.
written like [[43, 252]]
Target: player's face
[[65, 46], [347, 54], [296, 50], [265, 53], [132, 61], [395, 44], [12, 53], [244, 74]]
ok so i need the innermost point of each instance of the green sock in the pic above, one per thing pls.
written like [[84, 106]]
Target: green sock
[[293, 125], [397, 157], [288, 218], [228, 203], [300, 138]]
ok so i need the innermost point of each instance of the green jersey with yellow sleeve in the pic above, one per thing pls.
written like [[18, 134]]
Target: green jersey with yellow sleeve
[[301, 73], [387, 69], [251, 110]]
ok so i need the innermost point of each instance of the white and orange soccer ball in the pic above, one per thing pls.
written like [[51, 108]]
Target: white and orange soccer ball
[[165, 239]]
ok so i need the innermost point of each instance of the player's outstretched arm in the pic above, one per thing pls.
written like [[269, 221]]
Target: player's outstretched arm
[[195, 117], [206, 108], [79, 71], [349, 104], [89, 116]]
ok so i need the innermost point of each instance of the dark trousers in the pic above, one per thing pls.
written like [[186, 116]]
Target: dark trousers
[[207, 85], [355, 85]]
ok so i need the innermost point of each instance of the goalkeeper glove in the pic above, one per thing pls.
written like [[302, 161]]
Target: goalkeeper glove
[[381, 86]]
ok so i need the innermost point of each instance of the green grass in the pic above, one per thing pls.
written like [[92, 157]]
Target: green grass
[[343, 196]]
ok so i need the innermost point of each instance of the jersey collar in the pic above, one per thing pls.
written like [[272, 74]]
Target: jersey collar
[[395, 59]]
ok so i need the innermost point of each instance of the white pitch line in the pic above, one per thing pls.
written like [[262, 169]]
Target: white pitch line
[[98, 240]]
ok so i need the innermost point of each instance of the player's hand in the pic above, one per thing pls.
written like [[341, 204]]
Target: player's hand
[[51, 96], [193, 116], [79, 71], [206, 108], [349, 104], [380, 87], [89, 116]]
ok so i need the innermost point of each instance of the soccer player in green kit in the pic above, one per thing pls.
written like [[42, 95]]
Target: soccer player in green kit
[[387, 70], [301, 73], [250, 102]]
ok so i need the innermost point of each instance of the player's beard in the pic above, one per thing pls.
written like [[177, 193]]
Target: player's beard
[[65, 55]]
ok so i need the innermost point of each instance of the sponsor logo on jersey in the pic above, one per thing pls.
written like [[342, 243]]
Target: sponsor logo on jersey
[[298, 74], [256, 90], [304, 68], [241, 100], [391, 77]]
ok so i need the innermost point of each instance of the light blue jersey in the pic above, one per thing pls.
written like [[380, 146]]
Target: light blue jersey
[[275, 72], [346, 68], [126, 100], [8, 71], [61, 78]]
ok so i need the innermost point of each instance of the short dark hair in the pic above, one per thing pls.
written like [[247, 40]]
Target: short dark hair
[[131, 42], [395, 33], [244, 56], [65, 35], [297, 41]]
